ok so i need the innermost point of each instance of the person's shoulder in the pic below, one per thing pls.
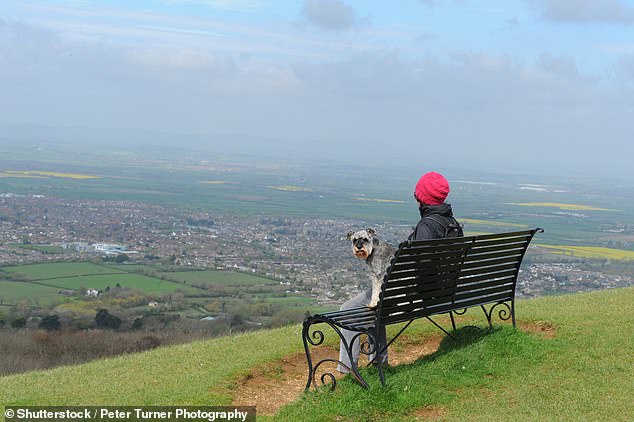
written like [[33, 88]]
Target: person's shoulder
[[423, 230]]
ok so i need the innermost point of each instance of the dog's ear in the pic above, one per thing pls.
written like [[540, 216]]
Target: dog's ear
[[370, 231], [349, 235]]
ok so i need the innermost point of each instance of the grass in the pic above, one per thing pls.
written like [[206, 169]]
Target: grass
[[15, 291], [584, 373]]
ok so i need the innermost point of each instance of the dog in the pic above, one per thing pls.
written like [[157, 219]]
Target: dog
[[377, 254]]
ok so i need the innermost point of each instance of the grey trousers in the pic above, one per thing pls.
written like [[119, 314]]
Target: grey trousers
[[362, 299]]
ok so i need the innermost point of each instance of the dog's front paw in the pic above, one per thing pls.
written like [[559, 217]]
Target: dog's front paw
[[373, 304]]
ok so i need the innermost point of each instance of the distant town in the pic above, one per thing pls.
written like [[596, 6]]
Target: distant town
[[310, 256]]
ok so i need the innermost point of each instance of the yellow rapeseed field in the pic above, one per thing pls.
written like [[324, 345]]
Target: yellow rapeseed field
[[567, 207], [391, 201], [35, 173], [589, 251], [290, 188], [19, 176]]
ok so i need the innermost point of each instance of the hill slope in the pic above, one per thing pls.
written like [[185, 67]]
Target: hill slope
[[585, 372]]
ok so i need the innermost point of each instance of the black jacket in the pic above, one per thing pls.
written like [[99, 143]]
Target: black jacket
[[428, 228]]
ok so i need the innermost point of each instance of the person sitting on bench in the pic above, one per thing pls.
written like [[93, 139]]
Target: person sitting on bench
[[436, 222]]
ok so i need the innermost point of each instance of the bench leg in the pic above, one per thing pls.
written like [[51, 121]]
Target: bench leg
[[315, 339], [384, 348], [379, 366], [505, 313], [440, 328], [380, 347], [488, 315]]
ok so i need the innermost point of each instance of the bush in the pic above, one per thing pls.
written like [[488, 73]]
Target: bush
[[137, 324], [50, 323], [19, 322], [147, 343], [104, 319]]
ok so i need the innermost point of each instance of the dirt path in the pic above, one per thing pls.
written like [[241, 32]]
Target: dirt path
[[276, 384]]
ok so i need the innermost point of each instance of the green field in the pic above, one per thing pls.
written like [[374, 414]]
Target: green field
[[12, 292], [133, 281], [291, 300], [571, 210], [584, 373], [43, 282], [63, 269], [212, 277]]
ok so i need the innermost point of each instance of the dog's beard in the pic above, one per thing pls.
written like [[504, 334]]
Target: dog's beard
[[361, 253]]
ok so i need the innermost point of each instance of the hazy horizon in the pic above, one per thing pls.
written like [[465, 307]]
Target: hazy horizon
[[525, 85]]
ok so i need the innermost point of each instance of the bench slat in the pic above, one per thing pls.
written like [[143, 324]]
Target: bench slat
[[475, 286], [353, 318], [422, 275], [491, 255], [409, 281], [476, 249], [484, 292], [463, 280], [489, 270], [429, 246], [403, 317], [346, 311], [505, 235], [509, 241], [418, 296], [414, 287], [502, 297], [411, 306], [421, 265], [483, 266]]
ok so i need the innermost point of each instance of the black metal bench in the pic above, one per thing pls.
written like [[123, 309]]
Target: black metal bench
[[427, 278]]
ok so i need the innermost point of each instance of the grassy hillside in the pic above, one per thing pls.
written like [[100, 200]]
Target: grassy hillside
[[585, 372]]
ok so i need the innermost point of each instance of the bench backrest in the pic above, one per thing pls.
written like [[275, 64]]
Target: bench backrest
[[437, 276]]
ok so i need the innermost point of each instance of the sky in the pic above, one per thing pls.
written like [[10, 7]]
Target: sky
[[537, 85]]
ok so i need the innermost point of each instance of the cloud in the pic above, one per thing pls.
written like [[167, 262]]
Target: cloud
[[432, 3], [512, 23], [586, 11], [329, 14], [235, 5], [489, 109], [625, 71]]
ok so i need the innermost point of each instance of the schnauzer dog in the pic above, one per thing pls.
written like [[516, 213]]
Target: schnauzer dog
[[377, 254]]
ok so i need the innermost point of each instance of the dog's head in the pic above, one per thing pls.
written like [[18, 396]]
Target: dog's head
[[363, 242]]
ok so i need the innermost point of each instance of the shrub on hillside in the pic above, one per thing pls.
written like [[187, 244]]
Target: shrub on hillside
[[19, 322], [104, 319], [50, 323]]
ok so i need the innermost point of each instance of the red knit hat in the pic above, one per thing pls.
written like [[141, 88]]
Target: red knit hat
[[432, 189]]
